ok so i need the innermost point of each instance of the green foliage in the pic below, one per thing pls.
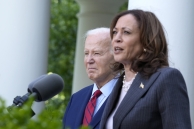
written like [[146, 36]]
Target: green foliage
[[124, 7], [21, 117], [63, 30]]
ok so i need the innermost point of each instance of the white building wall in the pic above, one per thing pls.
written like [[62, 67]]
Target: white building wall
[[24, 34]]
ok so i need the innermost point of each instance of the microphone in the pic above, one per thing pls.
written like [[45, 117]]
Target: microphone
[[31, 85], [42, 89], [47, 87]]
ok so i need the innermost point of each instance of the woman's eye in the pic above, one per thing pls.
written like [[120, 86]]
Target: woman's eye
[[126, 32], [114, 32], [85, 54]]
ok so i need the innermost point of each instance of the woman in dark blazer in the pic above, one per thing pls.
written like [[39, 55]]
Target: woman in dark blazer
[[149, 94]]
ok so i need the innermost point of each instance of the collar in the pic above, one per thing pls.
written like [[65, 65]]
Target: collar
[[107, 88]]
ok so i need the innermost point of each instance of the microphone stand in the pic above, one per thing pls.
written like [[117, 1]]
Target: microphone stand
[[19, 101]]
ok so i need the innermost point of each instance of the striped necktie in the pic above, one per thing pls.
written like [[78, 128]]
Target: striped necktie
[[90, 108]]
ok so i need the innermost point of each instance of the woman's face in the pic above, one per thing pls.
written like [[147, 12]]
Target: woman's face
[[126, 40]]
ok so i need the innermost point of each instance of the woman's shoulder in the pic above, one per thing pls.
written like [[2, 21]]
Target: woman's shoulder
[[168, 69], [169, 73]]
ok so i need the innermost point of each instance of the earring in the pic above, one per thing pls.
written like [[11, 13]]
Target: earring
[[144, 50]]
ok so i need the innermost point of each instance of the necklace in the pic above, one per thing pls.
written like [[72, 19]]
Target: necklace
[[126, 84]]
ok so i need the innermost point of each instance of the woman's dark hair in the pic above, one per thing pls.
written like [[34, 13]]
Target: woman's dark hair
[[152, 38]]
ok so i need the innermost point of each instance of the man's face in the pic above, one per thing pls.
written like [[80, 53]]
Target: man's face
[[97, 58]]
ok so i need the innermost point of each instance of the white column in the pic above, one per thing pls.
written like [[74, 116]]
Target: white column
[[24, 34], [93, 14], [178, 21]]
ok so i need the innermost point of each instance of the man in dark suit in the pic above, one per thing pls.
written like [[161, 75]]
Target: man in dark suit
[[97, 60]]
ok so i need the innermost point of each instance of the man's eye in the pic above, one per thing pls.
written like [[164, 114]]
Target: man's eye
[[85, 53]]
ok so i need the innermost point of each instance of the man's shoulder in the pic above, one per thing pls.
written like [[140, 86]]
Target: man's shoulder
[[84, 90]]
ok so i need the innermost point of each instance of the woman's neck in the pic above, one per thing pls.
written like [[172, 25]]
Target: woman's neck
[[129, 74]]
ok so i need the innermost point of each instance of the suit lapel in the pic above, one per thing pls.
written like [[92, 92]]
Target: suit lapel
[[96, 119], [112, 101], [134, 93], [114, 95], [84, 101]]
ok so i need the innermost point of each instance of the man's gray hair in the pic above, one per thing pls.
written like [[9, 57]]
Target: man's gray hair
[[97, 31], [101, 30]]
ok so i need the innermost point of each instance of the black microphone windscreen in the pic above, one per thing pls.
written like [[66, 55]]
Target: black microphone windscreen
[[48, 86], [31, 85]]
